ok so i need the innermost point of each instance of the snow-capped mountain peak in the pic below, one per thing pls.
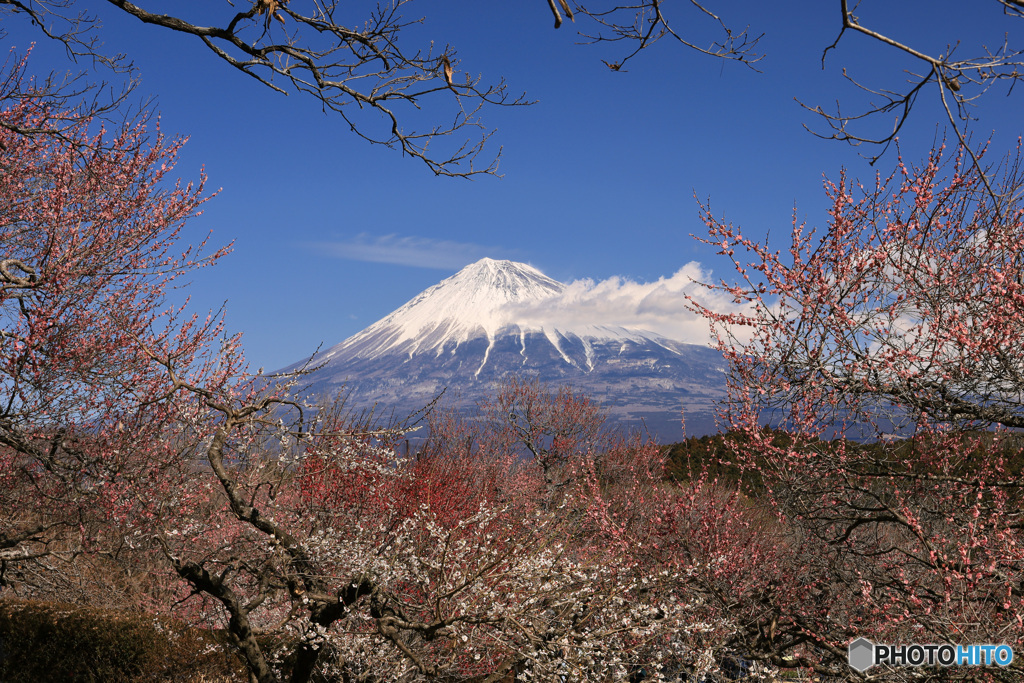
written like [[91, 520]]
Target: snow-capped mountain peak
[[483, 287], [483, 300], [497, 317], [469, 304]]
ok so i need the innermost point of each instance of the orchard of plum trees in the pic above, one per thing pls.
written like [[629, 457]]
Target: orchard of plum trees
[[142, 468]]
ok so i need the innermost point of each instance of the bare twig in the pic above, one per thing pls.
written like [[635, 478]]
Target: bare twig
[[959, 83]]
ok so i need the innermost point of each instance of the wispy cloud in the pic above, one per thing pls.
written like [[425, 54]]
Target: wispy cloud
[[658, 306], [420, 252]]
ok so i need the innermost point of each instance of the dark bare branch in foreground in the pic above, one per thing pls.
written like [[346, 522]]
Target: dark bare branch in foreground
[[388, 90], [643, 24], [958, 83], [419, 99]]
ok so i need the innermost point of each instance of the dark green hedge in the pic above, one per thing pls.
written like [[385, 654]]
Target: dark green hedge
[[42, 642], [715, 456]]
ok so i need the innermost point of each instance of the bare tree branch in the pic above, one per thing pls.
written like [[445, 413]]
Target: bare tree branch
[[643, 24], [368, 73], [959, 84]]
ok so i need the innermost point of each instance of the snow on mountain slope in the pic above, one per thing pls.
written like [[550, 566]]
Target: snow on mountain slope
[[481, 300], [468, 331]]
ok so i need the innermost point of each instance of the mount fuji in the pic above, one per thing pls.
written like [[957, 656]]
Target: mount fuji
[[468, 331]]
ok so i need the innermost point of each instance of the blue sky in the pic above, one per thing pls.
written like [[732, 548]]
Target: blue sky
[[331, 234]]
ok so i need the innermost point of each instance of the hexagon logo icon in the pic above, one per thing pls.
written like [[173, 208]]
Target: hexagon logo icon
[[861, 655]]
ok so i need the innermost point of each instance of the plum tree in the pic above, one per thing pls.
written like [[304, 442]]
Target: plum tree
[[89, 246], [898, 324]]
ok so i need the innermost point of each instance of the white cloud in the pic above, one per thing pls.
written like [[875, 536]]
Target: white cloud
[[420, 252], [659, 306]]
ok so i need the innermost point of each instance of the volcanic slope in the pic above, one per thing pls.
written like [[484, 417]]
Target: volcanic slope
[[470, 330]]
